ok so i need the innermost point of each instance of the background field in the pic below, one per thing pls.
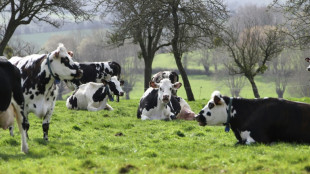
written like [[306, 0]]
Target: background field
[[117, 142]]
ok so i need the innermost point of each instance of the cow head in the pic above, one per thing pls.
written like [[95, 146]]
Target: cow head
[[214, 113], [116, 86], [62, 65], [308, 60], [165, 88]]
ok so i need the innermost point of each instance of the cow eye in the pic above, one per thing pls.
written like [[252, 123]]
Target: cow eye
[[211, 105], [161, 89]]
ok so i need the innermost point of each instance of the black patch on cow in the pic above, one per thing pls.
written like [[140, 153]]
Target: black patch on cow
[[10, 82], [174, 105], [99, 95], [95, 72], [271, 120], [34, 105], [148, 102], [73, 102], [31, 97], [113, 88]]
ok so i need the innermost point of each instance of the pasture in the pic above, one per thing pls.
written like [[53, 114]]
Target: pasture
[[117, 142]]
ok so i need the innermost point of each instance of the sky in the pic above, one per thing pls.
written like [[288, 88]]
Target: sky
[[237, 3]]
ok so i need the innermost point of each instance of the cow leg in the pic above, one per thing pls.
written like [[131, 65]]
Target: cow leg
[[144, 117], [21, 122], [45, 126], [91, 107], [11, 131], [108, 107]]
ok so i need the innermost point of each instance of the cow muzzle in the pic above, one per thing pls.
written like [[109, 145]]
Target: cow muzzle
[[201, 119], [166, 98]]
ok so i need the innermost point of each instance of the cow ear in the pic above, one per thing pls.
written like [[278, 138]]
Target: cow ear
[[70, 53], [177, 85], [104, 82], [307, 59], [153, 84], [122, 82], [56, 54], [217, 100]]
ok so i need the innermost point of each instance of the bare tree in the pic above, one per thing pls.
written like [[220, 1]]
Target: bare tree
[[235, 84], [16, 13], [192, 24], [281, 69], [252, 42], [142, 22], [297, 19], [23, 48]]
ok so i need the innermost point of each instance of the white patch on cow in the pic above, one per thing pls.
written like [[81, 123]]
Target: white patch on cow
[[245, 135], [233, 113]]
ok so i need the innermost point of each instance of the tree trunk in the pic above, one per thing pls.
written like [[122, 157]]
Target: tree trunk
[[254, 87], [280, 92], [8, 34], [147, 72], [187, 86]]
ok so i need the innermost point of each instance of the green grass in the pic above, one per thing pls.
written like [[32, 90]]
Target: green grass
[[117, 142]]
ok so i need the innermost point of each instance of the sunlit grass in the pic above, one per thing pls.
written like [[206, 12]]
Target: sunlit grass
[[117, 142]]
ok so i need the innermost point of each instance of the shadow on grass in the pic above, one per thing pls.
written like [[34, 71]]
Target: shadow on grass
[[45, 143], [21, 156]]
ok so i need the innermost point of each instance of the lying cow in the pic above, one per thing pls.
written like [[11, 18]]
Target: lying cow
[[40, 74], [95, 72], [12, 100], [94, 96], [157, 103], [171, 75], [258, 120]]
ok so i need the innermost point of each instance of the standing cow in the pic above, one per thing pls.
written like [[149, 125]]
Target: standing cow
[[258, 120], [94, 96], [157, 103], [95, 72], [12, 100], [40, 74]]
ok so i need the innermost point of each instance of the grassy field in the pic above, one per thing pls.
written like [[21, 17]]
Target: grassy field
[[117, 142]]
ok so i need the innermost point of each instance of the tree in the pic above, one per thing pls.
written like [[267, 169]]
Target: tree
[[142, 22], [192, 24], [15, 13], [251, 49], [281, 68], [235, 84], [252, 41], [297, 18]]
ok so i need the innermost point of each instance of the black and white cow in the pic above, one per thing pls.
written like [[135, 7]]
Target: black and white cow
[[94, 96], [95, 72], [40, 73], [171, 75], [157, 102], [12, 100], [308, 60], [258, 120]]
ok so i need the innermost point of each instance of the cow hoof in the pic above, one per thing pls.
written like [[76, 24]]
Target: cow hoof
[[45, 138]]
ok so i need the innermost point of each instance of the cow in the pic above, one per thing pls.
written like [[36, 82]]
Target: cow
[[40, 73], [186, 113], [308, 60], [157, 102], [171, 75], [258, 120], [95, 72], [12, 100], [94, 96]]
